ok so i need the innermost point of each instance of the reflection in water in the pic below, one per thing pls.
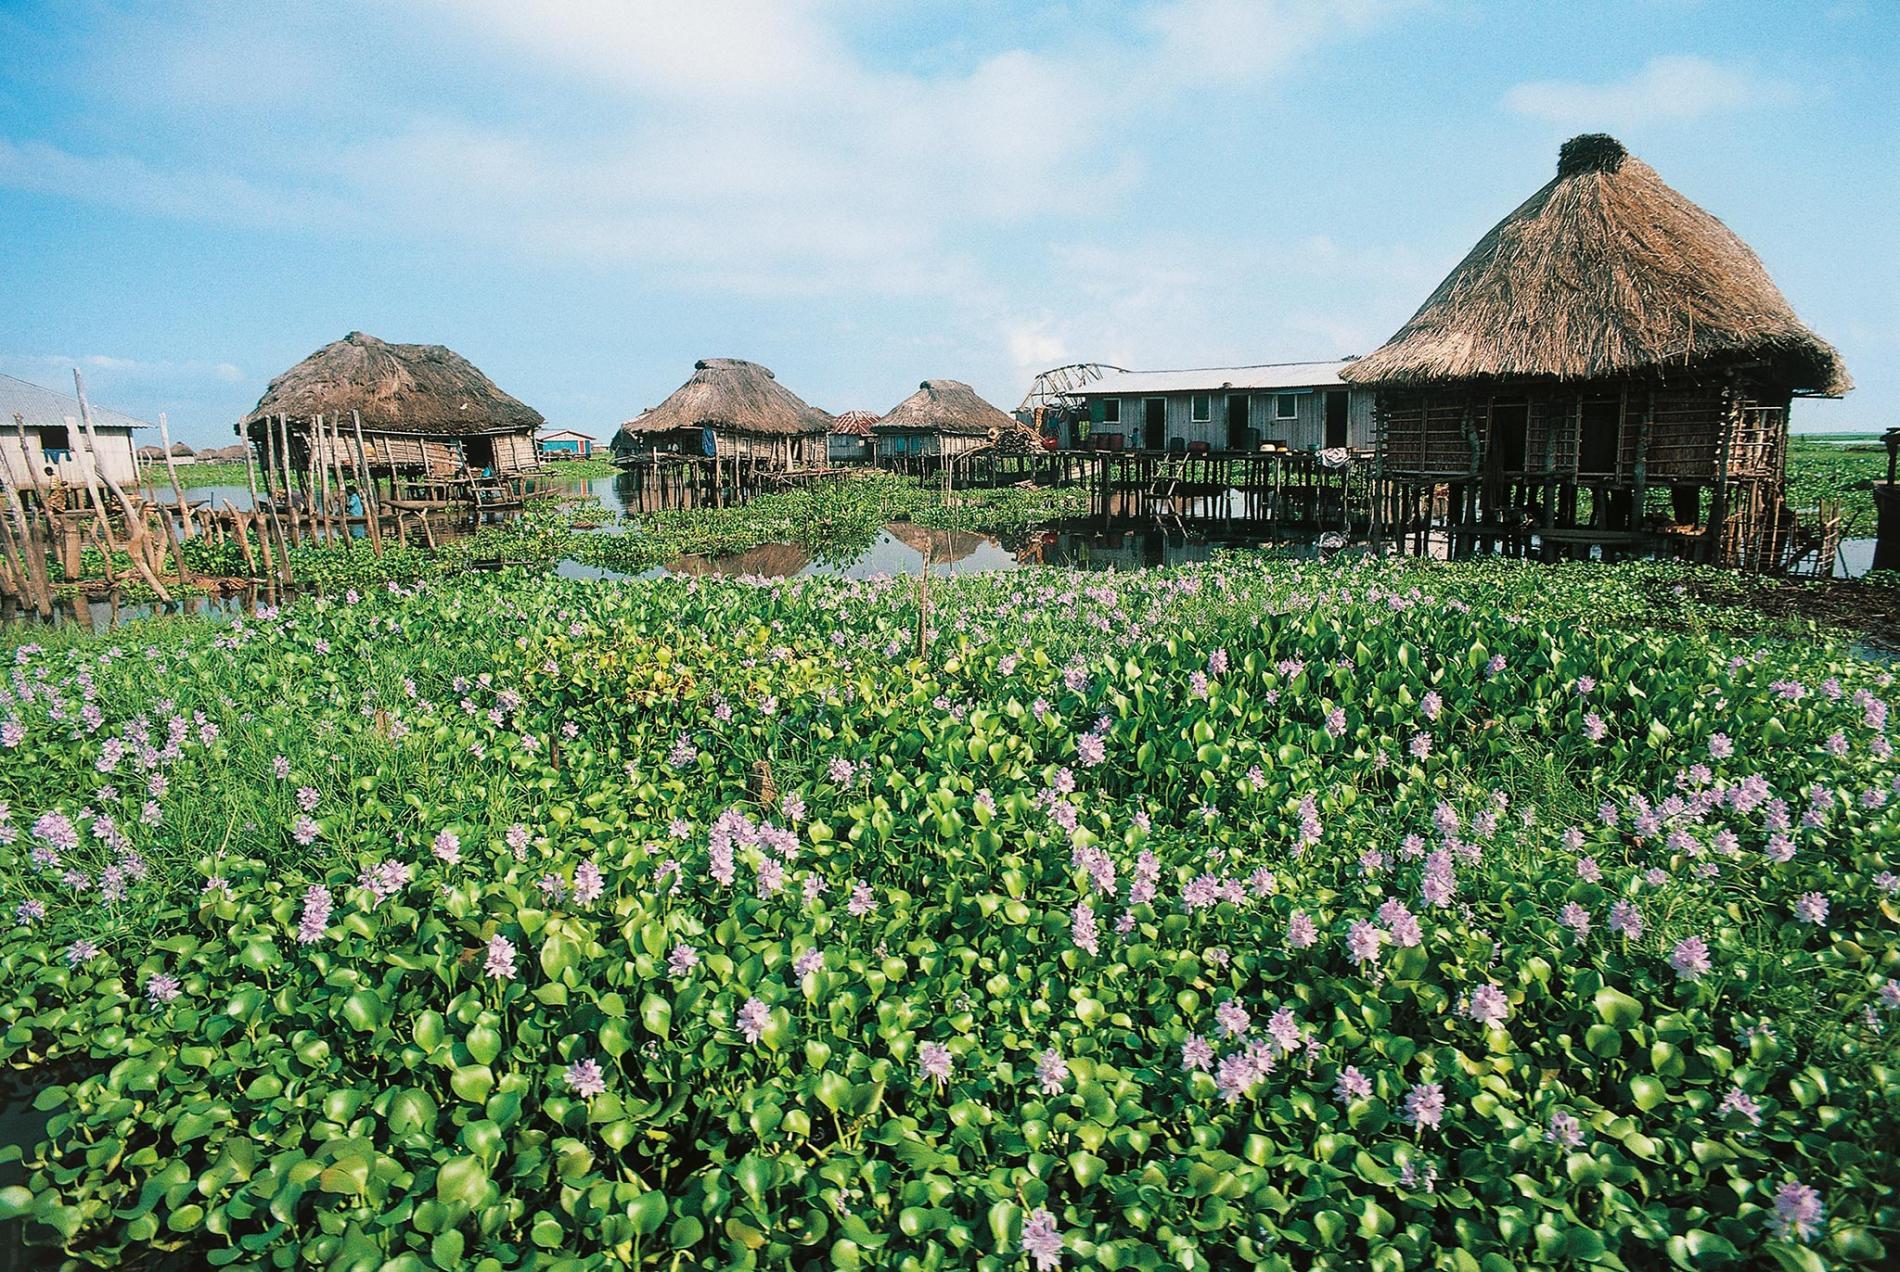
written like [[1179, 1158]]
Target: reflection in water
[[899, 548]]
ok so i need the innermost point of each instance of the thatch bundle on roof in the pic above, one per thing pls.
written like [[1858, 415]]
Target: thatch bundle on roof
[[1605, 271], [730, 408]]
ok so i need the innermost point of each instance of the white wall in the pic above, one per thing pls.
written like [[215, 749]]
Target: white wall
[[1306, 431], [28, 468]]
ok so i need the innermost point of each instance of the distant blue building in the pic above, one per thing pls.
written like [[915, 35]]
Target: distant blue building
[[564, 443]]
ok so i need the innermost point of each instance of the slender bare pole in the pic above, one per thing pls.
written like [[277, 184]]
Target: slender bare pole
[[164, 518], [133, 524], [283, 458], [255, 516], [35, 556], [368, 482], [178, 489]]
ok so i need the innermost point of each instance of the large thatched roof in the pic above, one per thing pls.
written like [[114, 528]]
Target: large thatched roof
[[396, 388], [946, 406], [1605, 271], [736, 396]]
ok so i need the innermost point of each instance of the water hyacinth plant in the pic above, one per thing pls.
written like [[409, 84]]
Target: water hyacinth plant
[[1248, 914]]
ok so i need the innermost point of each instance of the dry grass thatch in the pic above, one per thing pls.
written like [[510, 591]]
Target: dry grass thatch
[[1605, 271], [396, 388], [946, 406], [732, 395]]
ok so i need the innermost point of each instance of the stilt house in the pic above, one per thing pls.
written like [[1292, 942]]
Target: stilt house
[[1606, 341], [730, 409], [426, 411]]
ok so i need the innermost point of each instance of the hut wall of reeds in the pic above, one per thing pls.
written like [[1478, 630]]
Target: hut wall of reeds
[[426, 411], [941, 421], [1608, 336], [730, 409]]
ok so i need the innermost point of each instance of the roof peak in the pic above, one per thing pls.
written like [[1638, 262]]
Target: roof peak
[[1590, 152]]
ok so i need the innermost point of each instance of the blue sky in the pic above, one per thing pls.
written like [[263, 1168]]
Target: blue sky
[[584, 197]]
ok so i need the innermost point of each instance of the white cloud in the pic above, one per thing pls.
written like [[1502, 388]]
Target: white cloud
[[745, 144], [55, 370], [1245, 41], [1670, 89]]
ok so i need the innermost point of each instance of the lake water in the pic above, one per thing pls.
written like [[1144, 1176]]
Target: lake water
[[899, 548]]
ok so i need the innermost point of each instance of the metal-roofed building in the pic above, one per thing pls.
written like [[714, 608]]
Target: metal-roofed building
[[1299, 405], [46, 444]]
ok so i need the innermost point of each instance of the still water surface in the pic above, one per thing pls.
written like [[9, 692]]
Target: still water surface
[[899, 548]]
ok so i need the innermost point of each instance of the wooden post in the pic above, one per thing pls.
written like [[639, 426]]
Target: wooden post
[[283, 460], [257, 514], [244, 541], [178, 489], [368, 482], [36, 554], [133, 527], [341, 487], [171, 538], [320, 482]]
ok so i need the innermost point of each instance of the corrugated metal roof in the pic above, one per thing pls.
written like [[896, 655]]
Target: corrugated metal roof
[[1274, 375], [43, 408], [547, 433]]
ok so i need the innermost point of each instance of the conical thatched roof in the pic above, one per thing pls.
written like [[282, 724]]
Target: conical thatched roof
[[734, 395], [396, 388], [1605, 271], [946, 406]]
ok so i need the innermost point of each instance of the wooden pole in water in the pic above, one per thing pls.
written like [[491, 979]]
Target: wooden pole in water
[[164, 518], [342, 487], [133, 523], [256, 514], [283, 460], [368, 483], [35, 555], [320, 481], [244, 541], [178, 489]]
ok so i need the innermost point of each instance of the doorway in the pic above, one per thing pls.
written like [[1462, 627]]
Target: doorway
[[1154, 422], [1509, 421], [1239, 434], [478, 453], [1336, 401], [1600, 436]]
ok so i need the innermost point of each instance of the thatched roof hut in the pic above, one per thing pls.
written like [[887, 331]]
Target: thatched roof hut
[[423, 408], [395, 388], [731, 395], [1603, 272], [1606, 341], [949, 407], [730, 408]]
